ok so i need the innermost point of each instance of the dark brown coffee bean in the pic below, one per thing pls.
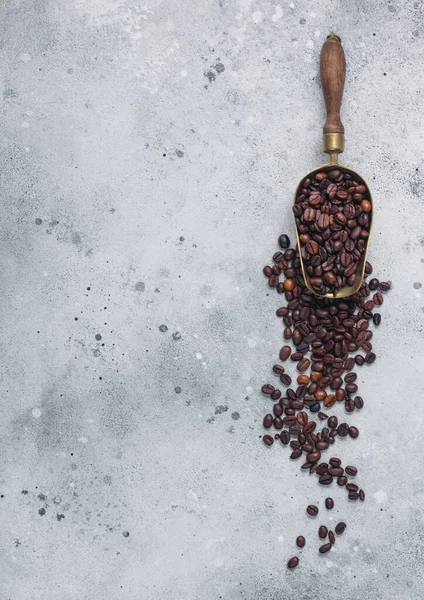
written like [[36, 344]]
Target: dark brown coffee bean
[[296, 356], [351, 471], [325, 479], [268, 420], [332, 422], [342, 480], [285, 352], [285, 379], [331, 537], [303, 365], [302, 418], [267, 389], [275, 395], [267, 271], [296, 454], [329, 503], [359, 359], [313, 457], [359, 403], [373, 284], [370, 358], [340, 527], [350, 377], [278, 369], [353, 495], [285, 437], [325, 548], [378, 299], [278, 410], [322, 416], [376, 319], [309, 427], [312, 510], [268, 440], [343, 429], [351, 388], [300, 541], [278, 423], [284, 241], [349, 406], [353, 432], [336, 471], [384, 286], [335, 462], [293, 562], [322, 468], [352, 487], [361, 495], [322, 531]]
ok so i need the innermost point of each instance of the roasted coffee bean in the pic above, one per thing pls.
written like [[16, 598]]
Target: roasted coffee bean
[[331, 537], [332, 422], [268, 440], [325, 479], [349, 406], [359, 403], [296, 454], [343, 429], [267, 389], [293, 562], [285, 437], [268, 420], [329, 503], [340, 527], [359, 359], [335, 462], [325, 548], [342, 480], [336, 471], [278, 410], [370, 358], [285, 352], [302, 418], [351, 471], [284, 241], [361, 495], [312, 510], [313, 457], [350, 377], [353, 432], [300, 541], [378, 299], [285, 379], [352, 487], [384, 286], [278, 423], [376, 319], [267, 271], [353, 495], [278, 369], [276, 394], [322, 531], [303, 364], [322, 416]]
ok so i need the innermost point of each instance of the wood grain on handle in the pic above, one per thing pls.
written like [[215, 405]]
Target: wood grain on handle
[[333, 71]]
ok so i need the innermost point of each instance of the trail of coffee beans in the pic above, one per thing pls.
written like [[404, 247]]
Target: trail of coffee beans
[[326, 339]]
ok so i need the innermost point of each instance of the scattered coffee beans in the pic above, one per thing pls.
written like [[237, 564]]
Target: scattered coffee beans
[[327, 339]]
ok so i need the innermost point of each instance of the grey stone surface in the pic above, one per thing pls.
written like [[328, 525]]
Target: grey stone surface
[[149, 153]]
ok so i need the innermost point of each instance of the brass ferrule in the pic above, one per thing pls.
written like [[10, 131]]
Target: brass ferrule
[[333, 142]]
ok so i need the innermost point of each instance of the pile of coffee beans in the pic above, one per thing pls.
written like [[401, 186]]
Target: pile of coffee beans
[[333, 216], [326, 339]]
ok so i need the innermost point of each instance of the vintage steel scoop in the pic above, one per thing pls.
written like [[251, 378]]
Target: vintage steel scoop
[[333, 70]]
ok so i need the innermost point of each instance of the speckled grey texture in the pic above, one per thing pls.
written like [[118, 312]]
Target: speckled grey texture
[[149, 152]]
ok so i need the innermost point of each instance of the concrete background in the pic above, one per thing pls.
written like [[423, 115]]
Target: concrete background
[[149, 153]]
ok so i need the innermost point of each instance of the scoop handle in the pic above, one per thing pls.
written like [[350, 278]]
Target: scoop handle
[[333, 72]]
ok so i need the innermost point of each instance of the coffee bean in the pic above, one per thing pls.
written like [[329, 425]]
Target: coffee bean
[[353, 432], [352, 487], [335, 462], [378, 299], [342, 480], [312, 510], [359, 403], [322, 531], [296, 454], [353, 495], [268, 420], [303, 364], [322, 416], [293, 562], [351, 471], [267, 388], [267, 271], [331, 537], [325, 479], [343, 429], [285, 352], [384, 286], [300, 541], [284, 241], [376, 319], [370, 358], [313, 457], [268, 440], [361, 495], [285, 379], [278, 369], [329, 503], [275, 395], [325, 548], [285, 437], [332, 422], [340, 527], [336, 471], [359, 359]]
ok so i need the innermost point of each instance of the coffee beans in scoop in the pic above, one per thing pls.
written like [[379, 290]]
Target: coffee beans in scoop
[[332, 212], [326, 341]]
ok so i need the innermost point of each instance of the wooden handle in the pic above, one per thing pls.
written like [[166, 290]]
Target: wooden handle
[[333, 71]]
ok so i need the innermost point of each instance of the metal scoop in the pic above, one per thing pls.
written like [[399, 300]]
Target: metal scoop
[[333, 70]]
